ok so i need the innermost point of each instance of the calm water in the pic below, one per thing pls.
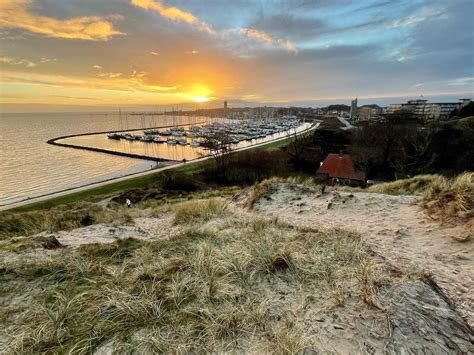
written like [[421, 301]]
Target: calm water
[[29, 167]]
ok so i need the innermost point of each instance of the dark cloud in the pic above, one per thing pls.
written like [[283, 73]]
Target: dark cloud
[[289, 26]]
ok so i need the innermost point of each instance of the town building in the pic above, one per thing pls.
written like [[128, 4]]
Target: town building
[[425, 110], [353, 112], [339, 169], [369, 112], [225, 105]]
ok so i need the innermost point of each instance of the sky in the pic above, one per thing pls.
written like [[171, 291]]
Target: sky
[[59, 54]]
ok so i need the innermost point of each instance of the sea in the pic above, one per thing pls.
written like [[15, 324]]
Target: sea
[[29, 167]]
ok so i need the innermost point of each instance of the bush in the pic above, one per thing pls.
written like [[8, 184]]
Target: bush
[[179, 182]]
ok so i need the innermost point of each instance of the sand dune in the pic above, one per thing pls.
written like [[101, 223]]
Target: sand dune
[[396, 227]]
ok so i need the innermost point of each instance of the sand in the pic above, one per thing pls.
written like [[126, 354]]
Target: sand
[[396, 227], [410, 317]]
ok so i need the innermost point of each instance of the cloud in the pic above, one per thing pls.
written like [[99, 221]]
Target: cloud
[[48, 60], [268, 39], [154, 53], [174, 14], [469, 81], [262, 36], [17, 14], [289, 46], [287, 25], [96, 66], [17, 61], [109, 75], [132, 83], [178, 15], [428, 12]]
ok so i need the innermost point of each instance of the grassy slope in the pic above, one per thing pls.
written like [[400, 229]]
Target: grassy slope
[[223, 284], [137, 182]]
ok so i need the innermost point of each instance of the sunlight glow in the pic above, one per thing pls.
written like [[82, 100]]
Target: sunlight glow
[[199, 98]]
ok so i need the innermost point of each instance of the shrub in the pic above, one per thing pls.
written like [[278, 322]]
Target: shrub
[[179, 182]]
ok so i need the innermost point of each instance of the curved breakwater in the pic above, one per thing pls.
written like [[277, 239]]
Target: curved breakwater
[[161, 151], [54, 141]]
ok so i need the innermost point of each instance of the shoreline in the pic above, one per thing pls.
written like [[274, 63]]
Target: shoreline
[[89, 186]]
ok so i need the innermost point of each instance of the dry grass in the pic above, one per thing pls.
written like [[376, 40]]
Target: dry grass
[[412, 186], [449, 197], [214, 288], [443, 197], [60, 218], [80, 214], [200, 211], [258, 191], [263, 188]]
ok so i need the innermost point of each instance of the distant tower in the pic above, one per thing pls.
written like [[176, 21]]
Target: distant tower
[[225, 105], [353, 113]]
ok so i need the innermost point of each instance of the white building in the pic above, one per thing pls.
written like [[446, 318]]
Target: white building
[[425, 110]]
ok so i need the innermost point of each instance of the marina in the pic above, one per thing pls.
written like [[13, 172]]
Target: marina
[[188, 141]]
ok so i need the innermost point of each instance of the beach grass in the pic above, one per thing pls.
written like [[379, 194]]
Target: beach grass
[[221, 284]]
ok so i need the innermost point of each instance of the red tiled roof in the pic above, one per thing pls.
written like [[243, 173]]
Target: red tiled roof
[[340, 166]]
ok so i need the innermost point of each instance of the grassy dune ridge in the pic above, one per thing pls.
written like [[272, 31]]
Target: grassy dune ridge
[[444, 197], [226, 283]]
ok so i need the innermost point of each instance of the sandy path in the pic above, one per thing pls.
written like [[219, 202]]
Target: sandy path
[[394, 226]]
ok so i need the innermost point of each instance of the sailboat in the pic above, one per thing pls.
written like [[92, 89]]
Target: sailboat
[[116, 135]]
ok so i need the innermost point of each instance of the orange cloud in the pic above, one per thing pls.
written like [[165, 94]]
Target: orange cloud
[[17, 14], [266, 38], [17, 61], [104, 81], [262, 36], [174, 14], [109, 75], [289, 46]]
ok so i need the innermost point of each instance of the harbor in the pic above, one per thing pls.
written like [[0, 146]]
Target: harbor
[[184, 142]]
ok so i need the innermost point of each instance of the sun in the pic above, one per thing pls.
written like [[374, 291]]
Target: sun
[[199, 99], [200, 93]]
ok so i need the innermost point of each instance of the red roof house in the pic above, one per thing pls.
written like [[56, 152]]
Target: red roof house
[[339, 168]]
